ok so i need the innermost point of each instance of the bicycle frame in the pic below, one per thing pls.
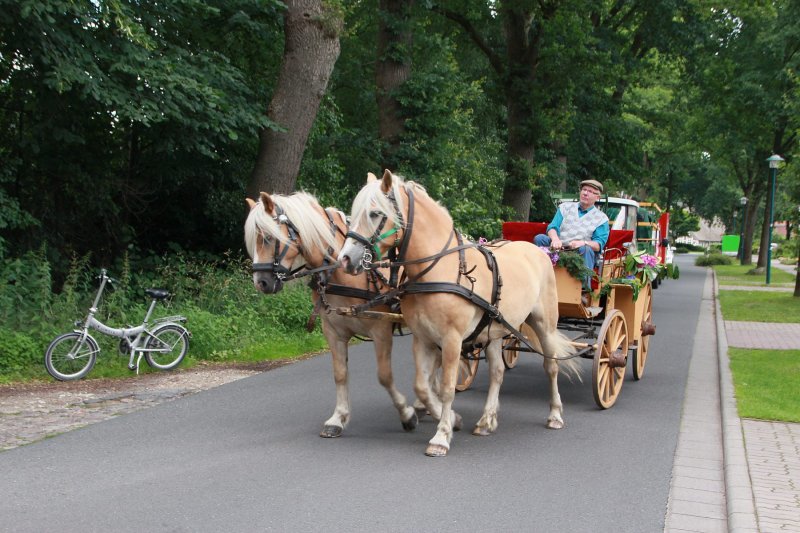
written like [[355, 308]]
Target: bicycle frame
[[137, 336]]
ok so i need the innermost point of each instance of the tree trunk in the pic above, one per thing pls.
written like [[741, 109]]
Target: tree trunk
[[311, 48], [765, 230], [797, 276], [392, 70], [519, 158]]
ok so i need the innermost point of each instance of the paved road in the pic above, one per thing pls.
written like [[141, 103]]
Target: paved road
[[245, 456]]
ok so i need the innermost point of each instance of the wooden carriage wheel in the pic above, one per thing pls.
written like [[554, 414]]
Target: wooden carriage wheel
[[640, 353], [510, 356], [608, 368], [467, 370]]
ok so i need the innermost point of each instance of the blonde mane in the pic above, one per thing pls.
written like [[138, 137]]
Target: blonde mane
[[304, 212], [371, 199]]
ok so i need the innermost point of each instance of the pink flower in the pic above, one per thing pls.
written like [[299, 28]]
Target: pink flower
[[551, 253], [482, 241], [650, 261]]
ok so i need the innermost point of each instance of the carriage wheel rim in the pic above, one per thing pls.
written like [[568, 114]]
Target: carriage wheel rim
[[510, 357], [607, 380], [642, 347], [467, 370]]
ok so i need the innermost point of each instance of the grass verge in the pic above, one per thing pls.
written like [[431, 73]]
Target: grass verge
[[760, 306], [766, 383], [738, 275]]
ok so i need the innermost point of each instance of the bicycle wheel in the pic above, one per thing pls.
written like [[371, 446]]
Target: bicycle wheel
[[69, 358], [172, 343]]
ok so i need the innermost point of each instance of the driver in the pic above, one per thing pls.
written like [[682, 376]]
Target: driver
[[579, 226]]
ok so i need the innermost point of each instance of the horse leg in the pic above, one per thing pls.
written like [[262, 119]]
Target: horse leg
[[334, 426], [427, 384], [439, 445], [488, 422], [435, 385], [554, 420], [383, 355]]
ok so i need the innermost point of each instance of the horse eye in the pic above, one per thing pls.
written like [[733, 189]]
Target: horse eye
[[375, 214]]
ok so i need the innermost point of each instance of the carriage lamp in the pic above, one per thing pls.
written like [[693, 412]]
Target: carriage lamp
[[740, 252], [774, 161]]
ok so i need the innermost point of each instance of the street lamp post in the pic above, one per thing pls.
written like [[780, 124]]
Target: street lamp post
[[740, 252], [774, 160]]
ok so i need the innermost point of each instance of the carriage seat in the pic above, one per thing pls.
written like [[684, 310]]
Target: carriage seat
[[526, 231]]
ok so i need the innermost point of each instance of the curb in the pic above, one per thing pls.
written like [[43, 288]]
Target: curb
[[738, 486]]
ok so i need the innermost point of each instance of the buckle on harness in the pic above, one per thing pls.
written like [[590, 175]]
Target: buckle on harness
[[366, 260]]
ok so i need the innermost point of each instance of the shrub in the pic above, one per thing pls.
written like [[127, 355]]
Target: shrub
[[713, 259], [17, 351], [228, 318], [788, 249]]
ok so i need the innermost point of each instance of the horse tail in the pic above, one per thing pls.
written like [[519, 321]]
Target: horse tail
[[560, 347]]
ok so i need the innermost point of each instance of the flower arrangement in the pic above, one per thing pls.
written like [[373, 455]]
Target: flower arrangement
[[572, 262], [641, 268]]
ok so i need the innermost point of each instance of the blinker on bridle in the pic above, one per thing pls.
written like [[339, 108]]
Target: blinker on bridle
[[280, 271], [373, 244]]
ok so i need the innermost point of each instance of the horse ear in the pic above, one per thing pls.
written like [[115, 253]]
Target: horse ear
[[386, 186], [371, 177], [267, 202], [250, 203]]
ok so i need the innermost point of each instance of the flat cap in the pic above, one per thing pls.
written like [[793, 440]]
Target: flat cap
[[592, 183]]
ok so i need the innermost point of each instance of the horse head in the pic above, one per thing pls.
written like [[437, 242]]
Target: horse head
[[272, 242], [376, 223]]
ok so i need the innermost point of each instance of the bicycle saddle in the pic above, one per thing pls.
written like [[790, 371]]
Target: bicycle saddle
[[158, 294]]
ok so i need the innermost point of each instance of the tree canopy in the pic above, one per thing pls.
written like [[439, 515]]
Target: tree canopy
[[132, 127]]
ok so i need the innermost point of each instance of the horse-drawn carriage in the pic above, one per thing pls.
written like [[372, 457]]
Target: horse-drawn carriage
[[614, 321], [452, 299]]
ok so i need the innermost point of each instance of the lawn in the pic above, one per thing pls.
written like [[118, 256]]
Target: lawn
[[766, 383], [759, 306], [737, 275]]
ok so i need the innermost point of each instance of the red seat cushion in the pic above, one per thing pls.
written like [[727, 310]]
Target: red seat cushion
[[523, 231], [616, 239]]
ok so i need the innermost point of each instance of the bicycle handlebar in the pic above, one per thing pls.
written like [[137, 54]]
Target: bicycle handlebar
[[104, 274]]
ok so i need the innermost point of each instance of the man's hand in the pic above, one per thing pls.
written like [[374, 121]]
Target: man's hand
[[555, 243]]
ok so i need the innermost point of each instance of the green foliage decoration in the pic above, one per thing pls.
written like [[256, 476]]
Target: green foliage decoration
[[640, 269]]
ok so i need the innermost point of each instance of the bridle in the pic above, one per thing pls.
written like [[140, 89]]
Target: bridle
[[372, 244], [279, 271]]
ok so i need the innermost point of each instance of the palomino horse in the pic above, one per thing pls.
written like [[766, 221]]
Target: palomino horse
[[285, 233], [443, 299]]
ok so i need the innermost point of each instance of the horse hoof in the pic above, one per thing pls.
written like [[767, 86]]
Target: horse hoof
[[436, 450], [329, 432], [411, 423], [555, 424], [481, 431], [458, 423]]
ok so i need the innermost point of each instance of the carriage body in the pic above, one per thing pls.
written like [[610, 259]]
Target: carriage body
[[616, 323]]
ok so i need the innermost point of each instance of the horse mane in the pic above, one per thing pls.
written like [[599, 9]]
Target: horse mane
[[304, 211], [371, 198]]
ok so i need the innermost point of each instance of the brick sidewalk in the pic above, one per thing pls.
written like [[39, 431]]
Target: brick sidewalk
[[772, 448], [773, 453], [763, 335]]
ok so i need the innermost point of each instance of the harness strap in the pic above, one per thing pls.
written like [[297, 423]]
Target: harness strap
[[395, 269], [491, 311], [350, 292]]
